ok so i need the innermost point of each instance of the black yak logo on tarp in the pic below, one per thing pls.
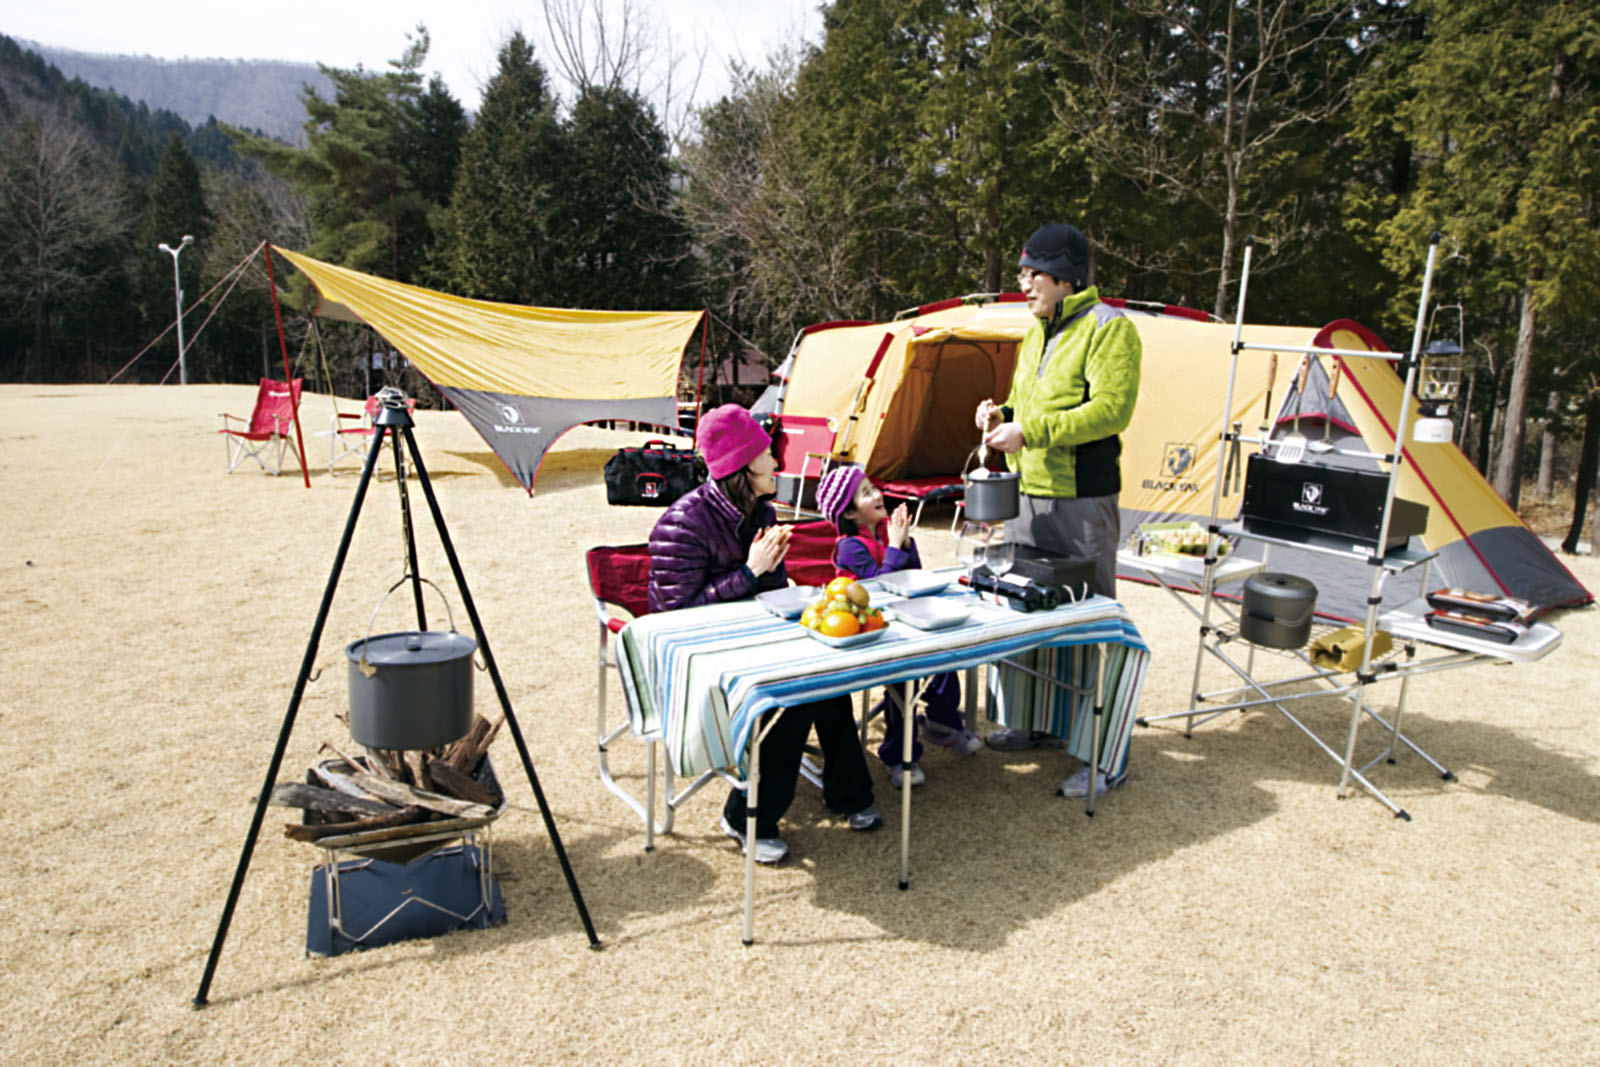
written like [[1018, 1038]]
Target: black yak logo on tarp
[[1176, 461], [511, 421]]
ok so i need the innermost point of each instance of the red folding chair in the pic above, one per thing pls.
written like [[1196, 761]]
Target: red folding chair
[[264, 436], [351, 432], [619, 579], [800, 440], [925, 491]]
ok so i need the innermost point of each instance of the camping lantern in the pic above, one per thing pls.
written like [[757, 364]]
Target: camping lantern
[[1438, 384]]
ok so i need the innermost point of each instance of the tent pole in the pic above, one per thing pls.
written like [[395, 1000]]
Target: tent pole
[[288, 375]]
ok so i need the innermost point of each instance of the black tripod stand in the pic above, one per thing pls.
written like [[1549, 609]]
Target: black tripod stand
[[393, 421]]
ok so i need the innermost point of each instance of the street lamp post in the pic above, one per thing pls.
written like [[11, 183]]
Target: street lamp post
[[177, 288]]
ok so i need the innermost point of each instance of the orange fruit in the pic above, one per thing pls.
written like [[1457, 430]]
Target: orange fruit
[[839, 585], [839, 624], [873, 621]]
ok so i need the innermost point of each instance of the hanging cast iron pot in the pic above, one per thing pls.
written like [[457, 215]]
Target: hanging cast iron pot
[[413, 689]]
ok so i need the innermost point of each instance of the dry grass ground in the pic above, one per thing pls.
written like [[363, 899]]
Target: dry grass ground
[[1224, 906]]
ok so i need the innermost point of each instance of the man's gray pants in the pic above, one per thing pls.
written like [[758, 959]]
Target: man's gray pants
[[1090, 527]]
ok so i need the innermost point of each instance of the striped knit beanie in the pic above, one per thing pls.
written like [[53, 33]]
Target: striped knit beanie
[[838, 492]]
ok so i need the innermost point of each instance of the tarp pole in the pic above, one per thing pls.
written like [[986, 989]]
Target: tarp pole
[[288, 375], [700, 378]]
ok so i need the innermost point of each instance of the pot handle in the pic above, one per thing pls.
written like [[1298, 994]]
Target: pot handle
[[404, 579]]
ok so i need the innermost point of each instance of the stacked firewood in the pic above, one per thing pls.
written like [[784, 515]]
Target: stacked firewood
[[393, 790]]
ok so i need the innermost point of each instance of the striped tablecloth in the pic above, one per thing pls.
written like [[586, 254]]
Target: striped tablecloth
[[703, 676]]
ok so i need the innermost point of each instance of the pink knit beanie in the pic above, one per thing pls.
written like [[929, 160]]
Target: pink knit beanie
[[730, 440], [837, 492]]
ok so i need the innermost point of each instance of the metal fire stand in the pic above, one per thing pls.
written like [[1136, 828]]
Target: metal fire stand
[[393, 422]]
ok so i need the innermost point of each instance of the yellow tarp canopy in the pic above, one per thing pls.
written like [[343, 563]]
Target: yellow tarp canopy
[[521, 375]]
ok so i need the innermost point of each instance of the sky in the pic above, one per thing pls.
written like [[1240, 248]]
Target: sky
[[465, 34]]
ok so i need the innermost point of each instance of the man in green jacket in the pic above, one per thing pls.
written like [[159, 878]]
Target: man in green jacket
[[1072, 394]]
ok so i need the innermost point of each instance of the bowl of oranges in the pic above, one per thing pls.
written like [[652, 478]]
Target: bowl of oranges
[[843, 616]]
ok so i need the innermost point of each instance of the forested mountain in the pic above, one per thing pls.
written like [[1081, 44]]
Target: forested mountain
[[91, 183], [260, 94]]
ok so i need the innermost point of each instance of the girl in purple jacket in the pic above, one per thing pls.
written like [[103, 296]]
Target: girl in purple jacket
[[848, 499], [721, 542]]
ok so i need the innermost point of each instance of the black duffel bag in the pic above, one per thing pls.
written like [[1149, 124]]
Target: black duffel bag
[[653, 475]]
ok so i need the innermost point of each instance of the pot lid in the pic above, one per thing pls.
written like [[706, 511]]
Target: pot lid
[[987, 473], [412, 648]]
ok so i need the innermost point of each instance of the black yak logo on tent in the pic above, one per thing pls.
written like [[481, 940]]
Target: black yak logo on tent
[[1176, 461]]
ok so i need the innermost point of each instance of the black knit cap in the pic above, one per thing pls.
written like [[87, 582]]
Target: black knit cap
[[1059, 250]]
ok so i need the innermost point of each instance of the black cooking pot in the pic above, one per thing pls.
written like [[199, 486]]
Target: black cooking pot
[[410, 690], [990, 496], [1277, 610]]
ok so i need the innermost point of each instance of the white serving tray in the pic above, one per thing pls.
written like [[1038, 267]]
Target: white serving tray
[[914, 583], [932, 613], [789, 603]]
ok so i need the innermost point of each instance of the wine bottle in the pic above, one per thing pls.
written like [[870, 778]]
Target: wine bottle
[[1022, 593]]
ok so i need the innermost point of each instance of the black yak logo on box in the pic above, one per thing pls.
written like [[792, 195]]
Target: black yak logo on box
[[1310, 501]]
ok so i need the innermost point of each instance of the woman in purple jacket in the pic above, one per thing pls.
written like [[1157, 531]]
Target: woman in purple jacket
[[721, 542]]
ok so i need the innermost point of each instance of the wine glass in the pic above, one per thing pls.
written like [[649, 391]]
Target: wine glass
[[971, 546], [998, 556]]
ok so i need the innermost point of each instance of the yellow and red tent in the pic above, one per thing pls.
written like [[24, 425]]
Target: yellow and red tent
[[925, 373]]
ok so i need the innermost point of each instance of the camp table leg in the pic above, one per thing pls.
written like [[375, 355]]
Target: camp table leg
[[752, 797], [650, 796], [1096, 694], [908, 727]]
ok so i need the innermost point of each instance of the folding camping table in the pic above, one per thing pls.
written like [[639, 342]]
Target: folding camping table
[[1308, 530], [702, 678], [1418, 649]]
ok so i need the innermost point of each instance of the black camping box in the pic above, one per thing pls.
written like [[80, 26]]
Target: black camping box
[[1290, 499]]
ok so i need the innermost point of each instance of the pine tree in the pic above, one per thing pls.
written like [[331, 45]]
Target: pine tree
[[506, 192], [366, 211], [1503, 113], [619, 236]]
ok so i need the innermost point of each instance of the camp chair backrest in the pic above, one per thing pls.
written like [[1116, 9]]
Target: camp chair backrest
[[801, 436], [275, 404], [810, 558], [620, 575]]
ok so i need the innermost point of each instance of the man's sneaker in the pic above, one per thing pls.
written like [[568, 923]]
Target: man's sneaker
[[1076, 786], [961, 742], [896, 777], [768, 849], [1017, 740], [868, 818]]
